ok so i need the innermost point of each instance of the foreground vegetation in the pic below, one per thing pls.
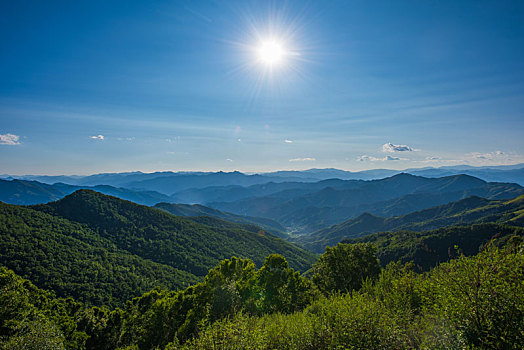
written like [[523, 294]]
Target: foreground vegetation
[[472, 302]]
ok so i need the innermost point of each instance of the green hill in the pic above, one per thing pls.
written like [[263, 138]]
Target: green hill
[[196, 210], [429, 248], [467, 211], [104, 250]]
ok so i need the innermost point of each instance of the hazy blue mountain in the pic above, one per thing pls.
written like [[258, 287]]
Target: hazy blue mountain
[[198, 210], [33, 192], [28, 192], [501, 173], [397, 195], [280, 189], [172, 184], [467, 211]]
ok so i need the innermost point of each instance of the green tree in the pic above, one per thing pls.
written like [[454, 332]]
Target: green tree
[[280, 288], [344, 267], [483, 296]]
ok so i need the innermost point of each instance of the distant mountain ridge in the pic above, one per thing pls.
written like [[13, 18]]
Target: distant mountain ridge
[[162, 181], [300, 207], [499, 173], [24, 192], [472, 210], [400, 194]]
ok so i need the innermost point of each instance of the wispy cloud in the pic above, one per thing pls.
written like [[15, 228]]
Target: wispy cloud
[[490, 155], [288, 141], [389, 147], [430, 158], [229, 160], [302, 160], [366, 158], [97, 137], [9, 139]]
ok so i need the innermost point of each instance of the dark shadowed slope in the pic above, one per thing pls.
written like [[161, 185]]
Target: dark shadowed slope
[[429, 248], [24, 192]]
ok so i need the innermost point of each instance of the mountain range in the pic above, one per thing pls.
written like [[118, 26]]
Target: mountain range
[[472, 210], [292, 206], [168, 182], [308, 210]]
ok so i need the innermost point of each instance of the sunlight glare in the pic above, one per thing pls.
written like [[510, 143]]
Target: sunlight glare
[[271, 52]]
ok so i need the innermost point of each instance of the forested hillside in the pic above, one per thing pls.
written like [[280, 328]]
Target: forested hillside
[[472, 302], [104, 250], [429, 248], [196, 210], [467, 211]]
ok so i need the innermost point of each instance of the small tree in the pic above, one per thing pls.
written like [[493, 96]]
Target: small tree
[[344, 267]]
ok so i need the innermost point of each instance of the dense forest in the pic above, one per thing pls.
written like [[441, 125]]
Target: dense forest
[[102, 250], [474, 302], [471, 210], [91, 271]]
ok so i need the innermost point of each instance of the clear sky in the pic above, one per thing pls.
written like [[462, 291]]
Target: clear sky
[[109, 86]]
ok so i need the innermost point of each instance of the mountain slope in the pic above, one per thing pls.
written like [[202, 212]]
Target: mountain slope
[[73, 260], [466, 211], [157, 235], [197, 210], [105, 250], [429, 248], [24, 192]]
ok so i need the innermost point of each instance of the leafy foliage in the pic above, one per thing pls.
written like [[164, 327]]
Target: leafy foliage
[[464, 304], [344, 267], [429, 248], [74, 261], [468, 303]]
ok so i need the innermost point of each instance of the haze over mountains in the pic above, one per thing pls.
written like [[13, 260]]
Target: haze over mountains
[[294, 201], [472, 210], [154, 262]]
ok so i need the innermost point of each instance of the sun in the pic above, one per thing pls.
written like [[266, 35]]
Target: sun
[[271, 52]]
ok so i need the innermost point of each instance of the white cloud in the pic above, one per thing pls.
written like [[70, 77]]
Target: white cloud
[[392, 158], [302, 160], [288, 141], [9, 139], [490, 155], [432, 158], [229, 159], [390, 148], [97, 137], [366, 158]]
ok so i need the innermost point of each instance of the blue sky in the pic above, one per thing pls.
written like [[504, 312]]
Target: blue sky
[[108, 86]]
